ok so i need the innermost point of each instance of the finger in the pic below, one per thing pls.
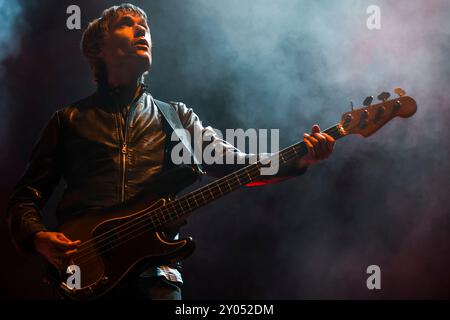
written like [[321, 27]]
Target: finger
[[311, 138], [313, 142], [62, 246], [330, 142], [328, 137], [62, 237], [70, 252], [315, 128], [316, 145], [322, 145], [309, 145], [326, 146]]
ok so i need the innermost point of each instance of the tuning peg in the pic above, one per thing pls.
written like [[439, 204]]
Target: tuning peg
[[368, 101], [400, 92], [383, 96]]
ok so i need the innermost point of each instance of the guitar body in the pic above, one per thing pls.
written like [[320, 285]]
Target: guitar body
[[107, 256]]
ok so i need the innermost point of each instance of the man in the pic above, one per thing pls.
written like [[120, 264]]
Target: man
[[107, 146]]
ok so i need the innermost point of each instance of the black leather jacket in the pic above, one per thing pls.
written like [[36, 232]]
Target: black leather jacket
[[103, 157]]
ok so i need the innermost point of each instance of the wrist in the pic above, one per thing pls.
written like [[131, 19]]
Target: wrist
[[36, 237]]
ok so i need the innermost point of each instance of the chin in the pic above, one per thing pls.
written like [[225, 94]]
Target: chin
[[143, 60], [144, 56]]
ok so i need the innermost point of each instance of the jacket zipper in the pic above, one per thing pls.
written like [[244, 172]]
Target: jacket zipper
[[124, 162], [124, 149]]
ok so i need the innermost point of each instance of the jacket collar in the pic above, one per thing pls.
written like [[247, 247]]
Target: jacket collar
[[106, 95], [106, 90]]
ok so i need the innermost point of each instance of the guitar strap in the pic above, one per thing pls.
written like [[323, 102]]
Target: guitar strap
[[173, 120]]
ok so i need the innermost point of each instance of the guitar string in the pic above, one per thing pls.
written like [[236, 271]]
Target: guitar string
[[218, 182], [156, 218], [328, 130], [207, 187], [196, 191], [123, 238], [186, 198]]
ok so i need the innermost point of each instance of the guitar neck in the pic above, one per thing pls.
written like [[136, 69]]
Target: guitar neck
[[184, 205]]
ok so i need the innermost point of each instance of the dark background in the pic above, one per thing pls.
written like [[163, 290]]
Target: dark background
[[383, 200]]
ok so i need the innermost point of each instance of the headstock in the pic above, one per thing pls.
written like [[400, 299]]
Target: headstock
[[367, 120]]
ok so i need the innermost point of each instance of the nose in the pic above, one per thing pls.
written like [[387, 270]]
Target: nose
[[139, 31]]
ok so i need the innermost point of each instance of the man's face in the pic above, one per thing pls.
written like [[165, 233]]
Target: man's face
[[128, 43]]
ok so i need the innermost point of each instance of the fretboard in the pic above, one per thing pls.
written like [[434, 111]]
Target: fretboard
[[184, 205]]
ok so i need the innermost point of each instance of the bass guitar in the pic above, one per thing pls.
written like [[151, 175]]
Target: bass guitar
[[124, 240]]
